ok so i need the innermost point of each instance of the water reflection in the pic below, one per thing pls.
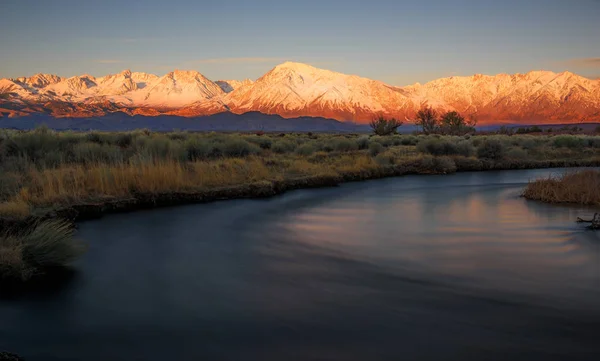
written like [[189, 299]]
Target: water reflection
[[428, 268]]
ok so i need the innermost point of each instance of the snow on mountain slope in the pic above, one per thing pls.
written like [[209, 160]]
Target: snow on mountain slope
[[179, 88], [295, 89], [230, 85], [39, 80]]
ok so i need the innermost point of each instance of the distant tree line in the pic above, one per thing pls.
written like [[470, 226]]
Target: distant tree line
[[535, 129], [430, 122]]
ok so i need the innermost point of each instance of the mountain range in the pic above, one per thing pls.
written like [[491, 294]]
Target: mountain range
[[293, 90]]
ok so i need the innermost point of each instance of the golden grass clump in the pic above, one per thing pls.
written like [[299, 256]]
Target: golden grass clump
[[30, 252], [15, 209], [581, 187]]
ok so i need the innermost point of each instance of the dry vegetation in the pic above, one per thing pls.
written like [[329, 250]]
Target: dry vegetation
[[582, 187], [41, 246], [43, 172]]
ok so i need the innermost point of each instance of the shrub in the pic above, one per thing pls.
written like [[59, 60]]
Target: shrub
[[177, 136], [344, 145], [363, 142], [159, 147], [375, 148], [93, 137], [444, 165], [283, 146], [593, 142], [491, 149], [527, 143], [197, 149], [465, 148], [397, 140], [409, 140], [305, 149], [467, 164], [67, 140], [124, 140], [384, 159], [97, 153], [437, 147], [261, 141], [51, 159], [32, 145], [238, 147], [318, 157], [567, 141], [517, 153], [438, 164], [385, 141]]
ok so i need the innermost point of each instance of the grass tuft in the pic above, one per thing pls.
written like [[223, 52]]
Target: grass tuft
[[32, 252]]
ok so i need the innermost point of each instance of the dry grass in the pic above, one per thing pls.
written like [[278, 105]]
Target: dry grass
[[30, 252], [12, 264], [582, 187], [76, 184], [16, 208]]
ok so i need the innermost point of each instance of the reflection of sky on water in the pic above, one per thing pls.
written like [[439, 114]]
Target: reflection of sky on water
[[413, 267], [483, 234]]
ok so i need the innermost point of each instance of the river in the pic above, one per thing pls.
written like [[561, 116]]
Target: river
[[455, 267]]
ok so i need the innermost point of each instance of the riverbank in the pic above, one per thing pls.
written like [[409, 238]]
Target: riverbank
[[580, 187], [77, 176], [96, 208]]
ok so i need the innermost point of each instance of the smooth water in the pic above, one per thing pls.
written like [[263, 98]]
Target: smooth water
[[452, 267]]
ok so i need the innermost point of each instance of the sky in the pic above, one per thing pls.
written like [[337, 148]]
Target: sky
[[395, 41]]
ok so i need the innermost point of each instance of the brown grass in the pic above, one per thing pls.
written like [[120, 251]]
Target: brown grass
[[29, 252], [12, 264], [582, 187], [96, 182], [16, 208], [76, 184]]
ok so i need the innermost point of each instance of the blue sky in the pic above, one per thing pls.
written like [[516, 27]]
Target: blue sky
[[398, 42]]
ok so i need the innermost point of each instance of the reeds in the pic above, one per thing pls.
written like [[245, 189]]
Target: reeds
[[581, 187]]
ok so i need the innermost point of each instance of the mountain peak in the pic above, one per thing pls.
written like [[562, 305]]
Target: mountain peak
[[294, 66]]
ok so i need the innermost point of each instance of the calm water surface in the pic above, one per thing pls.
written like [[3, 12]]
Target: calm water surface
[[413, 268]]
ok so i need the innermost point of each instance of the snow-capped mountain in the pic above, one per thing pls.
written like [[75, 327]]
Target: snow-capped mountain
[[230, 85], [295, 89]]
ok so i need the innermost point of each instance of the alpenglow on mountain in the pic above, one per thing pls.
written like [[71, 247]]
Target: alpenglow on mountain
[[295, 89]]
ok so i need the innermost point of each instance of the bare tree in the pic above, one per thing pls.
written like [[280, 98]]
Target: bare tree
[[383, 126], [427, 119]]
